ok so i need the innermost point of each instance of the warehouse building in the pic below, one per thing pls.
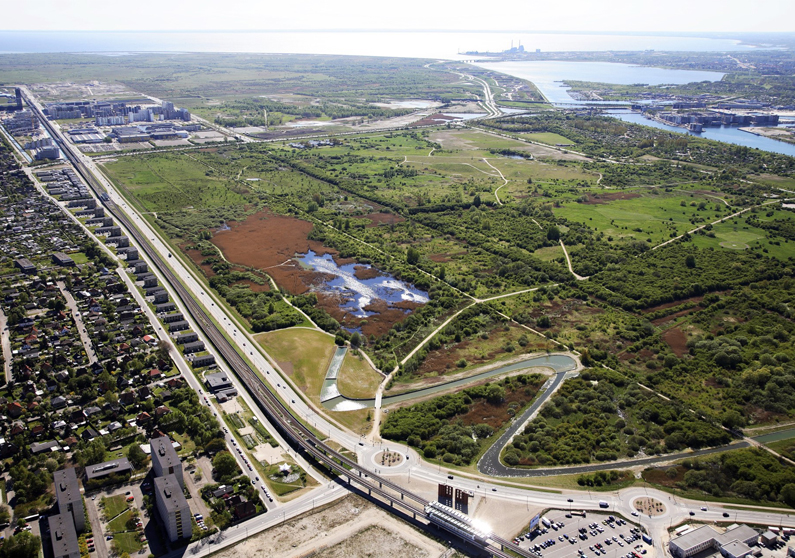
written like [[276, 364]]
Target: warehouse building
[[731, 544]]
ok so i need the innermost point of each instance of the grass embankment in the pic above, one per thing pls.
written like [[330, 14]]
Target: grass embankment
[[304, 356]]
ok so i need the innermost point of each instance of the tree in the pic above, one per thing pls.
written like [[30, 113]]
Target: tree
[[412, 255], [22, 545], [690, 261], [163, 348], [224, 465], [788, 494], [495, 393], [732, 419], [215, 445], [476, 201], [553, 233], [356, 340], [94, 452], [136, 456]]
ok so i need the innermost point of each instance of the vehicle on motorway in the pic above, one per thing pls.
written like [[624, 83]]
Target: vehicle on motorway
[[569, 500], [703, 508]]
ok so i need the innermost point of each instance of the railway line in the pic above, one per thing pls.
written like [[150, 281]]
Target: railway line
[[280, 415]]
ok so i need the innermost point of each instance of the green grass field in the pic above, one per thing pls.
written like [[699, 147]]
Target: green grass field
[[303, 354], [169, 182], [648, 216], [548, 137], [114, 505], [128, 542], [119, 524]]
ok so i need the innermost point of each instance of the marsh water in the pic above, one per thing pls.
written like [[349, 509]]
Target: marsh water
[[356, 294]]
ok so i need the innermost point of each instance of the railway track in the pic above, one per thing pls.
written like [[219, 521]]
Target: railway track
[[280, 415]]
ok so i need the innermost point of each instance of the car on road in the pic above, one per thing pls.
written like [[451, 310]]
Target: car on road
[[569, 500], [692, 512], [494, 490], [703, 508], [725, 514], [634, 513], [450, 476]]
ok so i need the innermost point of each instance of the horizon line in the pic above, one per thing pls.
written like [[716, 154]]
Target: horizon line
[[388, 30]]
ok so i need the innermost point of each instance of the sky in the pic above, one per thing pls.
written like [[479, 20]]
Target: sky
[[509, 15]]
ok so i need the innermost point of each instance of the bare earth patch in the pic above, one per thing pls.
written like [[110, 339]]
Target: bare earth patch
[[351, 528]]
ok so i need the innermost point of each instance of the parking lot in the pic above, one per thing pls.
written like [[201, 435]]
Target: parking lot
[[584, 537]]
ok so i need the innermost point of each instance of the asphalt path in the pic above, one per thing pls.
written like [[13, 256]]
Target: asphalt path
[[490, 464], [500, 470]]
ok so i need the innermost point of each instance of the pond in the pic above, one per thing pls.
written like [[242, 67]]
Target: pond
[[355, 293]]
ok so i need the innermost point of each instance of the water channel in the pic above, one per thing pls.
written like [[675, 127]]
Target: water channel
[[334, 401]]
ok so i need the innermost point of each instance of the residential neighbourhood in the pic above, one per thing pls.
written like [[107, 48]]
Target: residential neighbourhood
[[95, 417]]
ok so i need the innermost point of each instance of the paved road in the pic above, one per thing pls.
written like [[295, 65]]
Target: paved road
[[504, 471], [5, 338], [81, 328]]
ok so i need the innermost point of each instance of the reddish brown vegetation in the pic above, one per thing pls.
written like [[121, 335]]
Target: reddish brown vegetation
[[269, 242], [363, 272], [266, 241], [695, 299], [197, 258], [435, 119], [611, 196], [677, 340], [483, 412]]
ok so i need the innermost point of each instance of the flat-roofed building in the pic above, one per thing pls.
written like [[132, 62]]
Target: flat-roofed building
[[63, 536], [217, 382], [173, 508], [62, 259], [165, 460], [67, 492], [697, 540], [115, 467], [735, 549], [25, 265]]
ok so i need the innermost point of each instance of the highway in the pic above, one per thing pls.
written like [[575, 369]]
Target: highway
[[292, 428]]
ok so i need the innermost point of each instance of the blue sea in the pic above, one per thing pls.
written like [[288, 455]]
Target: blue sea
[[420, 44]]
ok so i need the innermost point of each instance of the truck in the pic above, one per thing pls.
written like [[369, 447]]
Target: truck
[[546, 522], [603, 504], [646, 538]]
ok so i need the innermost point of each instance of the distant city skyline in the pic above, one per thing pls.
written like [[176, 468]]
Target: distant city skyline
[[618, 16]]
